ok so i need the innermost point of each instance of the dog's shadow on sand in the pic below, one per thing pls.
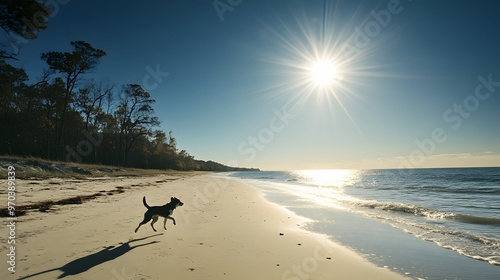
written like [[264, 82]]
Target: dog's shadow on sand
[[87, 262]]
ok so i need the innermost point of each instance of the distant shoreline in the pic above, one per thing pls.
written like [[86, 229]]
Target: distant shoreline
[[38, 168]]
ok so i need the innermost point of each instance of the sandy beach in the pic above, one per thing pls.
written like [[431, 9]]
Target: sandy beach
[[225, 230]]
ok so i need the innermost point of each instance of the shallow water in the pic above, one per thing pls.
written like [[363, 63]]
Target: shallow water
[[457, 210]]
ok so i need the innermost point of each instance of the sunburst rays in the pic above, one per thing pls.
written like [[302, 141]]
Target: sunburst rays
[[330, 40]]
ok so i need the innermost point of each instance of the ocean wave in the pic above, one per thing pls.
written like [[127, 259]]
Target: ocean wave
[[444, 230], [474, 245], [460, 190], [427, 212], [475, 219]]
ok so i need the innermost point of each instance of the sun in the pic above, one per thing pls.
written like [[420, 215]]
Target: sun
[[317, 56], [323, 73]]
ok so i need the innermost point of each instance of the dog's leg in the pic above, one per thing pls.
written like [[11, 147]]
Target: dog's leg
[[137, 227], [165, 223], [146, 219], [155, 218], [170, 218]]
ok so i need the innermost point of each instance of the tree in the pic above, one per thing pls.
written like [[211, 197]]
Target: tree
[[90, 102], [185, 161], [52, 95], [11, 80], [71, 65], [135, 118], [12, 85], [21, 18]]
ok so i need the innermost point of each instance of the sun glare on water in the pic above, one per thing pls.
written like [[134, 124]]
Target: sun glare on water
[[328, 186], [330, 177]]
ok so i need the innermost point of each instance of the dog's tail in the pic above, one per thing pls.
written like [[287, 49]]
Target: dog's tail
[[145, 203]]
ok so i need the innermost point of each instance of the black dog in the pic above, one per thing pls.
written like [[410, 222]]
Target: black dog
[[164, 211]]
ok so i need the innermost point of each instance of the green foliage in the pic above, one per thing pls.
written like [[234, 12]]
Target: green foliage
[[82, 59], [12, 82], [135, 118], [71, 65], [22, 18], [104, 126], [58, 118]]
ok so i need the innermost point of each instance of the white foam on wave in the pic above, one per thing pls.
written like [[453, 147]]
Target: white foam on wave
[[424, 223]]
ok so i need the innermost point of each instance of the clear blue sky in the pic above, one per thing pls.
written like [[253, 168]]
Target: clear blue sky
[[237, 91]]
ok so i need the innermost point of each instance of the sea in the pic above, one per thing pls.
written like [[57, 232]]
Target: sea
[[440, 223]]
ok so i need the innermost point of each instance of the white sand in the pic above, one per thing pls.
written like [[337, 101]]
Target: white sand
[[225, 230]]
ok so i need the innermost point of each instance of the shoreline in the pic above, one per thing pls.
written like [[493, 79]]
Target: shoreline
[[381, 241], [225, 229]]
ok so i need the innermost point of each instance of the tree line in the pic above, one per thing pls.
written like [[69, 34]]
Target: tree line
[[64, 116]]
